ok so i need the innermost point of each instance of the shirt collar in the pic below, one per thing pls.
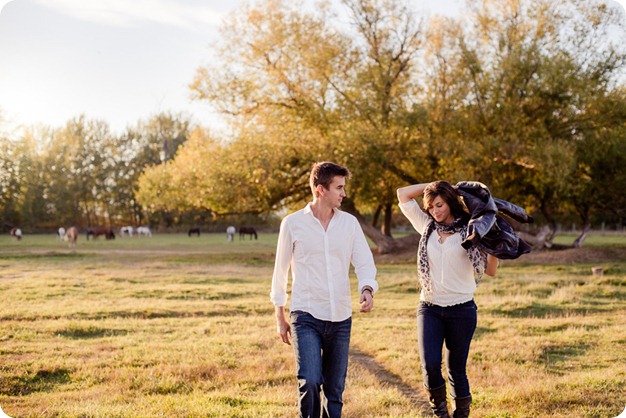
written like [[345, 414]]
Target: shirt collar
[[307, 209]]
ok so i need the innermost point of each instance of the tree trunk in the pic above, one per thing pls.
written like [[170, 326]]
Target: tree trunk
[[386, 228], [546, 211], [578, 242], [584, 211], [384, 244], [376, 215], [539, 240]]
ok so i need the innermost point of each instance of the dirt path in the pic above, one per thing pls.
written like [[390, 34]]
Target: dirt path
[[568, 256]]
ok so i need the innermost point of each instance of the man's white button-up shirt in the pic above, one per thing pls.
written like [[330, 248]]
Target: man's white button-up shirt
[[320, 262]]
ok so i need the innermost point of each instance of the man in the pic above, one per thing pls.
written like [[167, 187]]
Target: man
[[319, 243]]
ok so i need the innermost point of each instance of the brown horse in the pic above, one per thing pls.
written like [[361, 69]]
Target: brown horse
[[71, 235], [97, 231], [247, 230]]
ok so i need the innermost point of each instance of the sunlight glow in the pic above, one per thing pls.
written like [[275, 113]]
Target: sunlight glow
[[127, 13]]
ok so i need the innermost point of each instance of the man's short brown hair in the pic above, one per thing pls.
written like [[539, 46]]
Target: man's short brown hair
[[323, 174]]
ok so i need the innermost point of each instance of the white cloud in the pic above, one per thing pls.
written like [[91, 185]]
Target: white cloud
[[132, 13]]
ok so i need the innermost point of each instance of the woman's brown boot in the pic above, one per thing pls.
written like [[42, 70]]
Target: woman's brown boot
[[438, 401]]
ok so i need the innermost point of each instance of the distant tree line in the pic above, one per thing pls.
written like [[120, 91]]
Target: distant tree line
[[526, 96], [84, 175]]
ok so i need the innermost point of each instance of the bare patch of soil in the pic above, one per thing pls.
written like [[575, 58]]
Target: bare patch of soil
[[567, 256], [574, 256]]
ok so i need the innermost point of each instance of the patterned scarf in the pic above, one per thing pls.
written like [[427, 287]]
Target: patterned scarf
[[477, 257]]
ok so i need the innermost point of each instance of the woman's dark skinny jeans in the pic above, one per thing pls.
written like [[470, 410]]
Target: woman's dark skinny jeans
[[454, 325]]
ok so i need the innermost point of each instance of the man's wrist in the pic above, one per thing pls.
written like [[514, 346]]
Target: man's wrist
[[368, 289]]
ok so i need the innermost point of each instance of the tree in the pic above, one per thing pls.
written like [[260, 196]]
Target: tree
[[332, 95], [523, 81], [10, 179], [501, 97]]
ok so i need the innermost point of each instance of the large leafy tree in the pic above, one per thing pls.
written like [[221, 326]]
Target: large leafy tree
[[504, 96], [537, 73], [302, 90]]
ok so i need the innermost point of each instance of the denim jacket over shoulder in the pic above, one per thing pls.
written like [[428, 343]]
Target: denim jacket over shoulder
[[491, 232]]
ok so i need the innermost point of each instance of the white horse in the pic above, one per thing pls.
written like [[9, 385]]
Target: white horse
[[126, 230], [61, 234], [230, 233], [16, 233], [144, 231]]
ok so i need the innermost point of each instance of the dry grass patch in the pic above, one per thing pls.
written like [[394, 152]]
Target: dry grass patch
[[174, 327]]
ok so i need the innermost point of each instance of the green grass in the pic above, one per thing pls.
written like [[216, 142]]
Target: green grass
[[174, 326], [594, 239]]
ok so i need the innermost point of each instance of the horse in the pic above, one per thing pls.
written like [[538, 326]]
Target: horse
[[126, 230], [16, 233], [61, 234], [144, 231], [71, 235], [247, 230], [230, 233], [193, 231], [97, 231]]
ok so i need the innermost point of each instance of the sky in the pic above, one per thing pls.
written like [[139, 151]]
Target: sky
[[120, 61]]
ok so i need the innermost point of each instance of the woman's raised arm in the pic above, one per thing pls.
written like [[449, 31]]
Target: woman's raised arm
[[410, 192]]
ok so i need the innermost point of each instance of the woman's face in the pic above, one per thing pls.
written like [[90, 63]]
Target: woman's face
[[440, 210]]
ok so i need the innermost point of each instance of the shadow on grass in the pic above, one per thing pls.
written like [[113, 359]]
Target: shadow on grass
[[245, 259], [226, 312], [482, 331], [79, 332], [41, 381], [50, 255], [388, 378], [546, 310], [240, 311], [199, 294], [553, 355]]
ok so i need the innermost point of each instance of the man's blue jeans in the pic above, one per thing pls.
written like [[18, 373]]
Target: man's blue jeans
[[454, 325], [321, 349]]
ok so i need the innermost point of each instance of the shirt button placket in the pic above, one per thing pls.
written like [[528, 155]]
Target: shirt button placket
[[331, 290]]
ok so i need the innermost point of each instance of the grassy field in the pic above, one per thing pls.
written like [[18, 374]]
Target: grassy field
[[172, 326]]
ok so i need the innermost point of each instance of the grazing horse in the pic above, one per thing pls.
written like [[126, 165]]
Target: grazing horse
[[16, 233], [247, 230], [193, 231], [71, 235], [97, 231], [61, 234], [144, 231], [126, 230], [230, 233]]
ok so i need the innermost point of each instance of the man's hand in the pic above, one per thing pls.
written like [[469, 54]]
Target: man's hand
[[366, 300], [282, 326]]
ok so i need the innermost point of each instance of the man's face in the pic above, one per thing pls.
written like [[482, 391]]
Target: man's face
[[335, 192]]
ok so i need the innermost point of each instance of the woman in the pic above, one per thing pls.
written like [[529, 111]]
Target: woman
[[448, 275]]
